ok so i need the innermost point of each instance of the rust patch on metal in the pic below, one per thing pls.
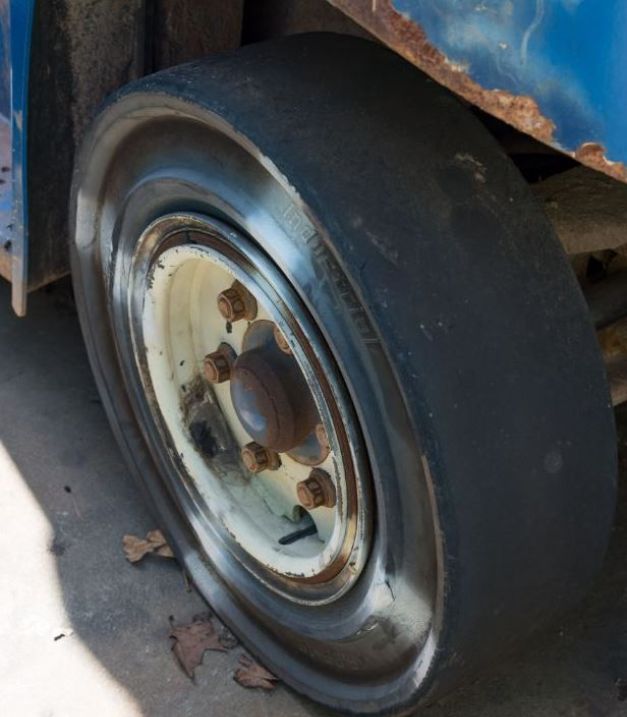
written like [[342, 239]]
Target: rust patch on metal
[[592, 154], [410, 41]]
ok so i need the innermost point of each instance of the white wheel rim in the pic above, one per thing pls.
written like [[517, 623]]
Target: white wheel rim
[[175, 324]]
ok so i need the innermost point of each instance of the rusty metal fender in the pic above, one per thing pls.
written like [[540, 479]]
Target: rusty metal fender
[[554, 69]]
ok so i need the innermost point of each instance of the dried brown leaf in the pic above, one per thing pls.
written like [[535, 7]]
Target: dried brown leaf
[[251, 674], [165, 551], [156, 537], [136, 548], [191, 641]]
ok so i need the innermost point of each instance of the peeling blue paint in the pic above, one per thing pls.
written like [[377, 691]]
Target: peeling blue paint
[[16, 21], [570, 56]]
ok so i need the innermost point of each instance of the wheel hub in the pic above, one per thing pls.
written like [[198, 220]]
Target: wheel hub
[[270, 394]]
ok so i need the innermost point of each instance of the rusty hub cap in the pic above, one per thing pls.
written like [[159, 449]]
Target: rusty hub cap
[[270, 394]]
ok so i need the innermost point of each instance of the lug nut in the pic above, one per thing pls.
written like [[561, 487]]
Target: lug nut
[[237, 303], [322, 436], [317, 490], [217, 365], [257, 458], [281, 341]]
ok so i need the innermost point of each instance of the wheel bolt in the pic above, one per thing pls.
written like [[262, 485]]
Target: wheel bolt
[[217, 365], [322, 436], [237, 303], [257, 458], [281, 341], [317, 490]]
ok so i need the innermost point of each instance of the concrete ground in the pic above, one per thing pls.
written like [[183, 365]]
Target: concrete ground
[[85, 633]]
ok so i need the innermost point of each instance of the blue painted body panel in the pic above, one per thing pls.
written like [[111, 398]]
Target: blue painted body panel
[[570, 56], [16, 19], [6, 192]]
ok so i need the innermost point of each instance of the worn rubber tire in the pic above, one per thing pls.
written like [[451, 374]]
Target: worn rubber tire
[[456, 320]]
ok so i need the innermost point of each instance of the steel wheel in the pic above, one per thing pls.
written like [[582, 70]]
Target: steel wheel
[[290, 246], [245, 395]]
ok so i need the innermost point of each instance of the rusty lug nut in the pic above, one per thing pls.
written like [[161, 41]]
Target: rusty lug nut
[[281, 341], [237, 303], [322, 437], [257, 458], [217, 365], [317, 490]]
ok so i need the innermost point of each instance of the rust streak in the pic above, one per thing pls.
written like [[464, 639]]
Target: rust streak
[[592, 154]]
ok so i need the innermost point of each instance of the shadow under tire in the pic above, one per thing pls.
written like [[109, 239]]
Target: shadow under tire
[[406, 249]]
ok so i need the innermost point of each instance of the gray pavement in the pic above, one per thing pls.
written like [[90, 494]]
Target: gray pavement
[[85, 633]]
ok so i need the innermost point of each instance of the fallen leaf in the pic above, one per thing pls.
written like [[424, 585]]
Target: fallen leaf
[[136, 548], [227, 638], [165, 551], [191, 641], [252, 674]]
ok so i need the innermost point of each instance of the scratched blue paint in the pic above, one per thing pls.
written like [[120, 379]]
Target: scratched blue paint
[[16, 21], [5, 61], [6, 192], [569, 55]]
